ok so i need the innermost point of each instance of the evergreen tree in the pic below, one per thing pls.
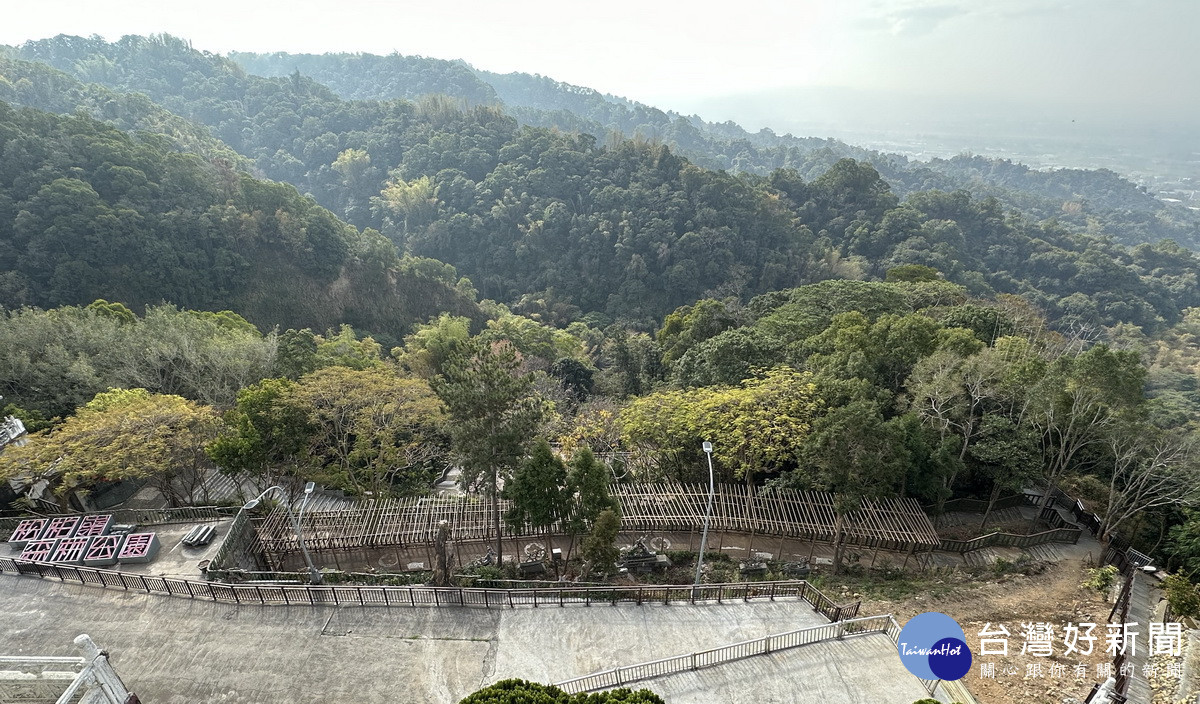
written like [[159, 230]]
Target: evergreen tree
[[493, 415]]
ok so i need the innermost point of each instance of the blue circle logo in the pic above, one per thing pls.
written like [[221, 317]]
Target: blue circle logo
[[934, 647]]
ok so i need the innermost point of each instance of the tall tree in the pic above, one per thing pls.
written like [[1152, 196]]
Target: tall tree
[[758, 426], [853, 453], [1008, 455], [1078, 401], [599, 548], [587, 488], [121, 434], [538, 493], [1151, 469], [493, 414], [949, 391], [374, 432], [265, 435]]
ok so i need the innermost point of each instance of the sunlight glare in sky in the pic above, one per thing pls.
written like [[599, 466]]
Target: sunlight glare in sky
[[1088, 52]]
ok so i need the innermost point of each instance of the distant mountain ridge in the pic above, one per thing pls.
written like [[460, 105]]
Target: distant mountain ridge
[[163, 211], [563, 226], [541, 101]]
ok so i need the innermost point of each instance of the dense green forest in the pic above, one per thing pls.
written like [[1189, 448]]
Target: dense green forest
[[559, 226], [827, 324], [1078, 196], [909, 387], [88, 211]]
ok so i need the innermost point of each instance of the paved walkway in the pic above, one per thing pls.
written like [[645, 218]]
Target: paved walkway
[[854, 670], [173, 651], [1142, 601]]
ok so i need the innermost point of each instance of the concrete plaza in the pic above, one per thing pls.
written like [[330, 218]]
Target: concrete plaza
[[173, 650]]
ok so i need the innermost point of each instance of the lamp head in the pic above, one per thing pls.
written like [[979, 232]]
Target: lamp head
[[250, 505], [707, 447], [308, 488]]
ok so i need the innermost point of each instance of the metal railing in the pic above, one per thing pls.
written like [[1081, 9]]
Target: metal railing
[[885, 624], [1124, 601], [620, 676], [1063, 501], [273, 594], [1011, 540], [1061, 529], [36, 665]]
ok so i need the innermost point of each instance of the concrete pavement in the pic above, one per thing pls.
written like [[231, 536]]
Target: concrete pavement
[[173, 651]]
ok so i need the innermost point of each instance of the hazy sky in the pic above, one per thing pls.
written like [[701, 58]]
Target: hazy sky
[[672, 53]]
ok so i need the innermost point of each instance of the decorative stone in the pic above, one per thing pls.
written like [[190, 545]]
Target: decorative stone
[[93, 525], [71, 550], [103, 550], [138, 548], [27, 530], [39, 550]]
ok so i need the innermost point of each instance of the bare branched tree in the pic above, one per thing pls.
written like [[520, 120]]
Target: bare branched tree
[[1151, 469]]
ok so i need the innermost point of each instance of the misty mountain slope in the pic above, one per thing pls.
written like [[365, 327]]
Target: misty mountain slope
[[559, 225], [373, 77], [88, 211], [37, 85], [1071, 195]]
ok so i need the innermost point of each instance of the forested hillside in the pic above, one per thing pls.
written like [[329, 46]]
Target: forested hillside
[[829, 329], [1075, 196], [372, 77], [87, 212], [560, 226], [37, 85]]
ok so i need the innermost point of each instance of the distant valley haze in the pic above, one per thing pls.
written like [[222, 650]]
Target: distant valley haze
[[1102, 83]]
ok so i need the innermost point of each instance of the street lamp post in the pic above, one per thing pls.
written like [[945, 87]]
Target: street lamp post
[[313, 573], [708, 448]]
